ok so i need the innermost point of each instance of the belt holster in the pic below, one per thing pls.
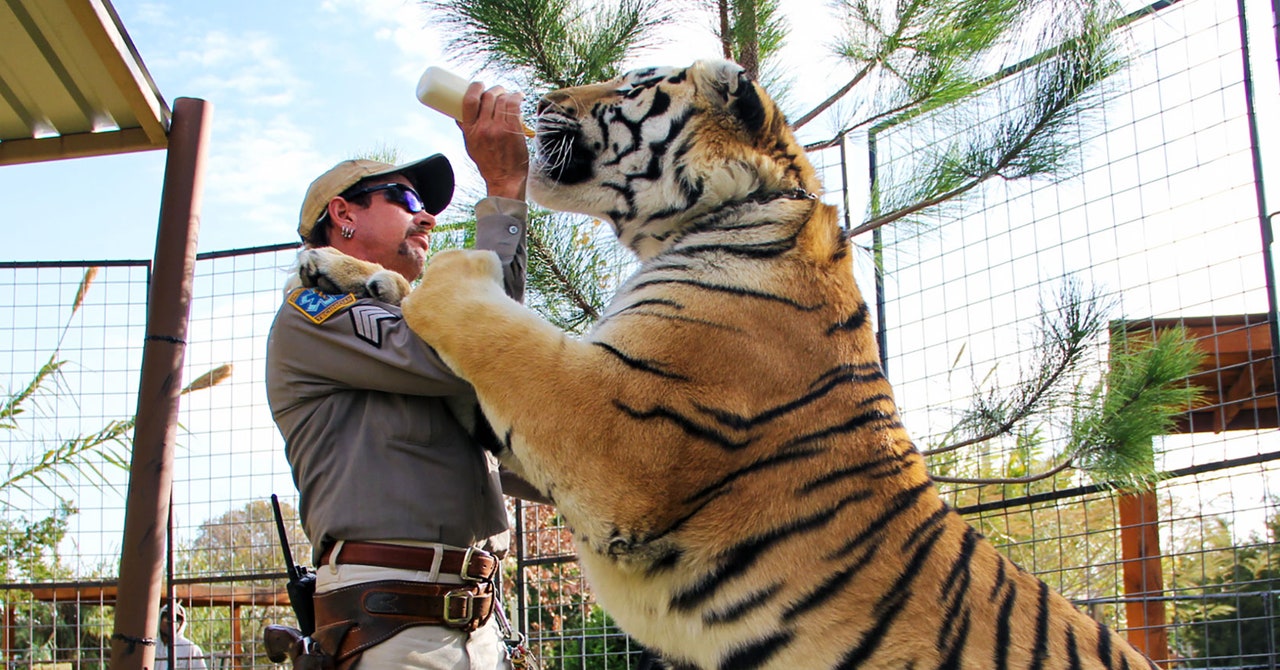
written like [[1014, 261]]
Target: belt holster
[[352, 619]]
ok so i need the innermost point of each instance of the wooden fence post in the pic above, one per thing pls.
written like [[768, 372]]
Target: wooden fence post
[[1143, 575]]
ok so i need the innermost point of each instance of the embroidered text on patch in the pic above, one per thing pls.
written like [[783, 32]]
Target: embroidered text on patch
[[367, 320], [319, 306]]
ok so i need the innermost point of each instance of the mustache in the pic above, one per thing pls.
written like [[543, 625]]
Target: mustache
[[419, 230]]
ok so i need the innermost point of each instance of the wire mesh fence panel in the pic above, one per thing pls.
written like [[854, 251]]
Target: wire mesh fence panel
[[1158, 229], [70, 379], [74, 343]]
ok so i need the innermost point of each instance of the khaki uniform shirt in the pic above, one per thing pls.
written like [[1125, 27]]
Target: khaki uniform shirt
[[358, 397]]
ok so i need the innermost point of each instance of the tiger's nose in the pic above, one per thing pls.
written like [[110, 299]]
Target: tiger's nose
[[556, 100]]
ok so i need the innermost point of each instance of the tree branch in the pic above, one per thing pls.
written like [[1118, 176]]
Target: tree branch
[[1028, 479], [562, 279]]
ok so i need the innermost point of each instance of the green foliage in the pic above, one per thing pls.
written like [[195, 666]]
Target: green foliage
[[241, 541], [550, 43], [927, 53], [12, 406], [1110, 424], [1067, 328], [246, 541], [572, 274], [572, 269], [1146, 388], [1233, 625], [751, 32], [29, 549], [383, 153], [43, 631], [83, 455], [59, 632], [1022, 126], [591, 641]]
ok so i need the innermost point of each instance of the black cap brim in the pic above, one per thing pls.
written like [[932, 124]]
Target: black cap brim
[[432, 178]]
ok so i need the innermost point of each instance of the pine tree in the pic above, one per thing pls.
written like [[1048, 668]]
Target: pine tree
[[910, 59]]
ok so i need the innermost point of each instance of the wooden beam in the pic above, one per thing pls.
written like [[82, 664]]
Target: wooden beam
[[1241, 389], [80, 145], [109, 39], [191, 595], [236, 633]]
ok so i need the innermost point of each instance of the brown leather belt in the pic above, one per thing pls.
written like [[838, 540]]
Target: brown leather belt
[[353, 618], [470, 564]]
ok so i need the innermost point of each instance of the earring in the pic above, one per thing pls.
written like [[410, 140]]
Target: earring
[[347, 232]]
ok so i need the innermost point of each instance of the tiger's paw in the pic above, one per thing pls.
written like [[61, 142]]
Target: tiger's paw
[[332, 271], [451, 285], [456, 271]]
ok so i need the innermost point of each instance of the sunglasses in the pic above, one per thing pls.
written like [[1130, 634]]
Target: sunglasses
[[398, 193]]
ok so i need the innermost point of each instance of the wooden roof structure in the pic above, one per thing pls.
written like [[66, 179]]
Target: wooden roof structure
[[72, 84], [1237, 377]]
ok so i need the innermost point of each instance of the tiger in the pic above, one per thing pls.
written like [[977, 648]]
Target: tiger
[[723, 442]]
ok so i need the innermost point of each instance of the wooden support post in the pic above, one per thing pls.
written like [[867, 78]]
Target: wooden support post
[[1143, 576], [142, 554]]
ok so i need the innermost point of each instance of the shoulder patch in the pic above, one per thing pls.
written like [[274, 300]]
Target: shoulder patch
[[319, 306], [367, 321]]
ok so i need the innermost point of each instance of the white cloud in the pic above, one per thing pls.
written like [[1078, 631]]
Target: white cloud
[[406, 24], [259, 169], [246, 68]]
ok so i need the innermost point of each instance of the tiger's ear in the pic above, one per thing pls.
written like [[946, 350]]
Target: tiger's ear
[[728, 87]]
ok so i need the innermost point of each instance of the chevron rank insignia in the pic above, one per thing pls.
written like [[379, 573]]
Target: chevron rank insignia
[[367, 320], [319, 306]]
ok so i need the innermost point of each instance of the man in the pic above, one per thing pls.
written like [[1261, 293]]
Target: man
[[187, 655], [404, 511]]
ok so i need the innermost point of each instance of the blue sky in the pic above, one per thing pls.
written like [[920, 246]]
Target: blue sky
[[296, 85]]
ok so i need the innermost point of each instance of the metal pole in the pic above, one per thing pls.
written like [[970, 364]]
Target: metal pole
[[1275, 30], [1259, 186], [142, 556], [877, 249], [522, 617]]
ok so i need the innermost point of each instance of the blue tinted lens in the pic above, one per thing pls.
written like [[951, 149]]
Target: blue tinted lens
[[410, 199], [398, 193]]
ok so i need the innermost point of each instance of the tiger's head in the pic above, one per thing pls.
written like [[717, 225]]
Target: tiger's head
[[654, 149]]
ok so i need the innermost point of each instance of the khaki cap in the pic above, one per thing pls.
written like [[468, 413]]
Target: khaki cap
[[431, 177]]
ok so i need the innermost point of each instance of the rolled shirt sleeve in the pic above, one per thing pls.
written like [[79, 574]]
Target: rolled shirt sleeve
[[501, 225]]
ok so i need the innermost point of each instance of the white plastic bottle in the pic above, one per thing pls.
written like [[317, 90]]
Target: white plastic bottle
[[442, 91]]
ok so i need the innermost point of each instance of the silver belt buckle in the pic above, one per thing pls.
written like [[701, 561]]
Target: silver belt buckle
[[468, 608], [466, 565]]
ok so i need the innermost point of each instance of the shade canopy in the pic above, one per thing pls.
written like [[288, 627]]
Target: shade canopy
[[72, 84]]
